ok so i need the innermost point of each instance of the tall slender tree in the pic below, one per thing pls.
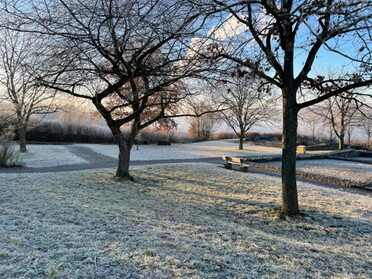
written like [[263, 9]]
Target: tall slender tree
[[21, 93]]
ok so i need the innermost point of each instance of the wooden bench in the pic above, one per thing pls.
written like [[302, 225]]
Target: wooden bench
[[301, 149], [229, 161]]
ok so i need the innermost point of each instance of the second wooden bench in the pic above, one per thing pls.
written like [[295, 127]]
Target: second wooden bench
[[229, 161]]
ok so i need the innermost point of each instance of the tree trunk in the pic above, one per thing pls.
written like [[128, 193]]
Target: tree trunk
[[21, 132], [241, 140], [341, 141], [289, 143], [330, 134], [125, 147]]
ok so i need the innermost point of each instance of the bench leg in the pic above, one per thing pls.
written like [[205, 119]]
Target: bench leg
[[228, 166], [243, 168]]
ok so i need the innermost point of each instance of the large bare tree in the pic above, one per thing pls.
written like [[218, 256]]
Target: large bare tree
[[134, 52], [21, 94], [281, 40]]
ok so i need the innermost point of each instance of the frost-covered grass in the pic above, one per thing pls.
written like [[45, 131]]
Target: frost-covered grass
[[49, 156], [187, 151], [353, 171], [367, 159], [178, 221]]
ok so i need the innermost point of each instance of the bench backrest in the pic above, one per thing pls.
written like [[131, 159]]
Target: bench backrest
[[233, 159]]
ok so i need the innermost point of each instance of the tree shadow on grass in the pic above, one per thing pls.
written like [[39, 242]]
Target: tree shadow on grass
[[318, 242], [246, 210], [165, 230]]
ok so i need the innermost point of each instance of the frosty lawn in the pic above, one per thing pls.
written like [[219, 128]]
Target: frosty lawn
[[49, 156], [178, 221], [352, 171]]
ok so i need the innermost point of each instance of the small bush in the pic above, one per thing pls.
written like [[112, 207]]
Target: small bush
[[8, 156]]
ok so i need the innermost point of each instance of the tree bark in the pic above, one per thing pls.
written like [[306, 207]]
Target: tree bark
[[125, 147], [341, 142], [289, 143], [21, 132], [241, 140]]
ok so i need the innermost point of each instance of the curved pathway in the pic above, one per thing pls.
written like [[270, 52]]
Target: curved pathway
[[98, 161]]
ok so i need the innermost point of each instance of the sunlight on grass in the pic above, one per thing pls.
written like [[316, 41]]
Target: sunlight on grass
[[178, 221]]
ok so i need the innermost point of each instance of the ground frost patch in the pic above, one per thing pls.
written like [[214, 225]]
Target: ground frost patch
[[178, 221]]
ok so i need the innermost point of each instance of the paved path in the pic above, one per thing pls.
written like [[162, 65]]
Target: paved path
[[112, 164], [99, 161]]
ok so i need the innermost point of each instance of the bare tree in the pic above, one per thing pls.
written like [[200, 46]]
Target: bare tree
[[21, 94], [312, 121], [281, 42], [365, 123], [202, 128], [74, 117], [135, 52], [340, 113], [246, 104]]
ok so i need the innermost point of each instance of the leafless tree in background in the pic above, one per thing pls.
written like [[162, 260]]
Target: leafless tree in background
[[312, 120], [21, 95], [246, 104], [340, 113], [202, 128], [365, 123]]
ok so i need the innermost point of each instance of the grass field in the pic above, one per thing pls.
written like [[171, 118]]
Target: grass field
[[178, 221]]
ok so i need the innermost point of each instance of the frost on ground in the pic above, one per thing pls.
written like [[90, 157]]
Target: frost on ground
[[178, 221], [187, 151], [49, 156], [59, 155], [358, 172], [367, 159]]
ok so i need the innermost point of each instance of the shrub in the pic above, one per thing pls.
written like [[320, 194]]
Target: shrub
[[59, 132], [8, 156]]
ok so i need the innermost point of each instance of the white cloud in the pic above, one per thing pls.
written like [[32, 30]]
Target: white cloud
[[231, 28]]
